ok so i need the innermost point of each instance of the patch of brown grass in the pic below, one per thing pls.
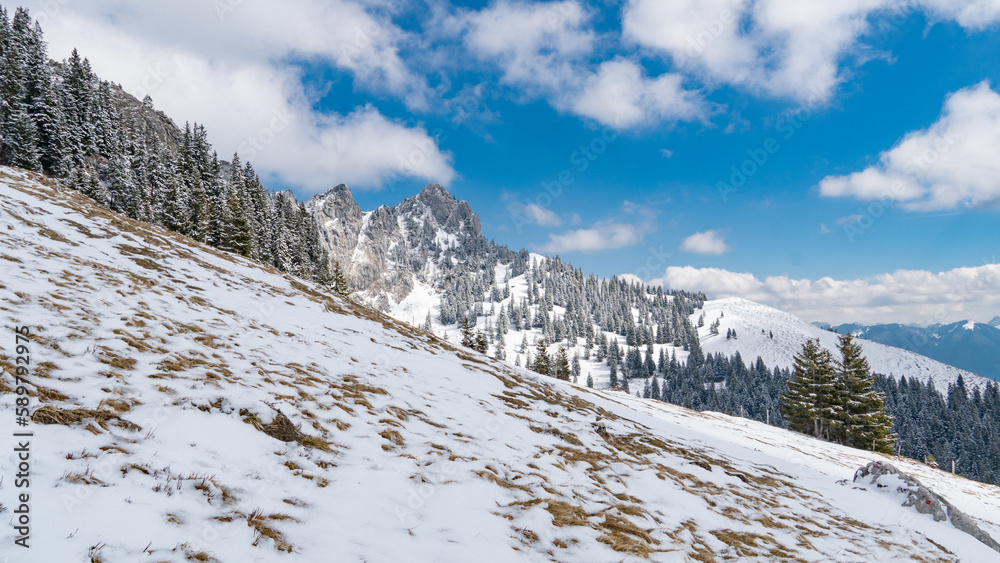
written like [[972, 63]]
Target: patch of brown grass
[[110, 358], [263, 529], [393, 436], [565, 514], [48, 414], [490, 474]]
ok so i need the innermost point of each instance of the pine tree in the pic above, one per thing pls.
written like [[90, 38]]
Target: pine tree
[[562, 367], [467, 328], [811, 403], [341, 288], [542, 363], [863, 421]]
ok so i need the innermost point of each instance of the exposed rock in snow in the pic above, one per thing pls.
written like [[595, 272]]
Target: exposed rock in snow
[[385, 251], [922, 499]]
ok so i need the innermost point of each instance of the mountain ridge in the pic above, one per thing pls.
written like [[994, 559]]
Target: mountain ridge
[[968, 345], [404, 271]]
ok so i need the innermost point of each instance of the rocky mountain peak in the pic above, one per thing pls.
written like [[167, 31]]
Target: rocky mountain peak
[[387, 248], [435, 191], [453, 216], [336, 201]]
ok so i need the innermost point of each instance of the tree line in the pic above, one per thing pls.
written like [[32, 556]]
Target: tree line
[[60, 119]]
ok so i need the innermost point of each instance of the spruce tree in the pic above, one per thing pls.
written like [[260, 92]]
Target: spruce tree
[[562, 367], [811, 403], [543, 364], [467, 329], [863, 421], [341, 288]]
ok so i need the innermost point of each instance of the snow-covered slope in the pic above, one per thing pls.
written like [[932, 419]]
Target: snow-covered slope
[[755, 323], [159, 367]]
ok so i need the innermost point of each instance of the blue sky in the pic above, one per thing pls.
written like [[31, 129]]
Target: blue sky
[[500, 101]]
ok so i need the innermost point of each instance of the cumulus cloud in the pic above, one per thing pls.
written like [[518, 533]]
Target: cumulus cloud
[[536, 45], [535, 214], [904, 296], [602, 236], [708, 242], [544, 49], [623, 230], [781, 48], [950, 164], [224, 64], [618, 94]]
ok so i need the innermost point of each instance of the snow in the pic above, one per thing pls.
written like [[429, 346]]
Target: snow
[[971, 325], [426, 452], [790, 332]]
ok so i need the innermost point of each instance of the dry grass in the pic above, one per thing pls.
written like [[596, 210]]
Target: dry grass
[[569, 438], [110, 358], [393, 436], [565, 514], [48, 414], [263, 529], [85, 478], [490, 474], [47, 394], [94, 553], [175, 519], [281, 428]]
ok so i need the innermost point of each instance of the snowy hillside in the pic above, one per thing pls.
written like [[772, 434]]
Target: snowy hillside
[[159, 367], [755, 324], [746, 317]]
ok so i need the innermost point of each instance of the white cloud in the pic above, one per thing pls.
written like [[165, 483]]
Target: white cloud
[[855, 218], [602, 236], [904, 296], [621, 231], [667, 153], [537, 45], [953, 163], [781, 48], [536, 214], [619, 95], [972, 14], [544, 49], [708, 242], [231, 74]]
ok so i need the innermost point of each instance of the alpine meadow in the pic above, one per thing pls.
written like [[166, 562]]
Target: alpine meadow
[[506, 280]]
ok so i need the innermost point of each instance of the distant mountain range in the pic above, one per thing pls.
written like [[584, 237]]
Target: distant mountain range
[[967, 345]]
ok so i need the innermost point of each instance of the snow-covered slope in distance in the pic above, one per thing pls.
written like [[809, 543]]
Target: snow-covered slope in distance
[[746, 317], [159, 365], [755, 323]]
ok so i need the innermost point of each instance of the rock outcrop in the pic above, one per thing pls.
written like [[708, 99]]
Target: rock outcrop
[[924, 500], [383, 251]]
